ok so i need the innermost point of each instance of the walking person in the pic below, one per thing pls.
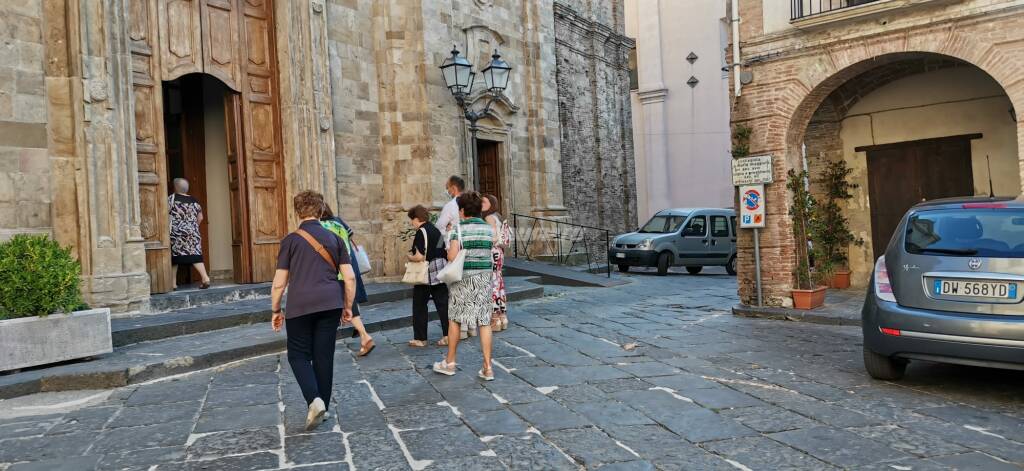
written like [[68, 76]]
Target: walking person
[[447, 221], [428, 246], [308, 265], [337, 226], [470, 298], [186, 241], [502, 237]]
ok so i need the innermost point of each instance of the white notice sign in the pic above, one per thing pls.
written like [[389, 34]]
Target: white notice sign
[[751, 206], [752, 170]]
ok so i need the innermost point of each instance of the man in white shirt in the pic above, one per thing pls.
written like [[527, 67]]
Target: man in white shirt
[[450, 212]]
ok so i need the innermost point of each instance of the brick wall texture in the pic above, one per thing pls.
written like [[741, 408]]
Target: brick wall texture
[[804, 79], [598, 171]]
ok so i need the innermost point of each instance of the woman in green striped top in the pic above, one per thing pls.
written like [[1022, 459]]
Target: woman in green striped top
[[469, 301]]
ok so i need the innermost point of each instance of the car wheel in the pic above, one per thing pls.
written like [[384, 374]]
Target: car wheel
[[694, 270], [884, 367], [664, 261], [623, 268], [730, 267]]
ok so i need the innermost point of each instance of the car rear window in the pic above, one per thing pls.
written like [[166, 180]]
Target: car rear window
[[967, 233]]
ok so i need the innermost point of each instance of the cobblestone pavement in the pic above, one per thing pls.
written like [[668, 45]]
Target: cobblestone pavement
[[701, 390]]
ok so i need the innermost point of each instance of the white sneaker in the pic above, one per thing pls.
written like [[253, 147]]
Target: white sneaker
[[315, 416]]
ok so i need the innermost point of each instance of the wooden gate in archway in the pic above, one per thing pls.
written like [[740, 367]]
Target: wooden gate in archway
[[232, 40]]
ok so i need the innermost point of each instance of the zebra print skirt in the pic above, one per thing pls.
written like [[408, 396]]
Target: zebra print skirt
[[469, 301]]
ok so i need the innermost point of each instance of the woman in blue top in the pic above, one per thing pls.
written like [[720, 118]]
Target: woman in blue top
[[336, 225]]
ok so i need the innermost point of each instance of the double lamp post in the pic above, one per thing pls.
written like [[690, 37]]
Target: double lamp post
[[459, 78]]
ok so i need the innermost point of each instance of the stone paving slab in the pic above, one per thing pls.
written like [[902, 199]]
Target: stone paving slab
[[176, 355], [783, 396]]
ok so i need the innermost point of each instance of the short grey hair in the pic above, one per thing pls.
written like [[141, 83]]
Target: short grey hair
[[180, 185]]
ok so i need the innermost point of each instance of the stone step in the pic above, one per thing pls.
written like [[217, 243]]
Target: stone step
[[236, 308], [151, 360], [551, 274]]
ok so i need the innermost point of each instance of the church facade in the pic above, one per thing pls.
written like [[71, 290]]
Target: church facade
[[103, 104]]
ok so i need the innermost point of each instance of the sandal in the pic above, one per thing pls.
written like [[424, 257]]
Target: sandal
[[445, 368], [443, 342], [495, 324], [364, 350], [486, 375], [504, 322], [418, 343]]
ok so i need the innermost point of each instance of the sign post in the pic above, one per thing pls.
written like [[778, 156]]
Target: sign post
[[750, 174]]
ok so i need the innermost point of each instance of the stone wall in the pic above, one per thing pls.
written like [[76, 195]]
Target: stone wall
[[598, 171], [796, 70], [25, 177]]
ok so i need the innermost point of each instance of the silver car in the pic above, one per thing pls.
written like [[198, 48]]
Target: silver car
[[689, 237], [949, 288]]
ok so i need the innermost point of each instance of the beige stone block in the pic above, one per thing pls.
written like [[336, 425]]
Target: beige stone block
[[6, 189], [29, 108], [33, 214], [10, 159], [30, 56], [28, 82], [8, 215], [32, 187]]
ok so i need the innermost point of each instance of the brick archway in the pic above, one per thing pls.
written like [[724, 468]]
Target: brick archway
[[787, 91]]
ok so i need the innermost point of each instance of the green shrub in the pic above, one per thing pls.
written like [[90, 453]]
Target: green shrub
[[37, 277]]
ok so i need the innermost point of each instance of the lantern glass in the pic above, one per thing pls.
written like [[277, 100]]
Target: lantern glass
[[457, 72], [496, 73]]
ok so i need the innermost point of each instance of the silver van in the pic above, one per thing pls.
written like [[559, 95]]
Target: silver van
[[689, 237]]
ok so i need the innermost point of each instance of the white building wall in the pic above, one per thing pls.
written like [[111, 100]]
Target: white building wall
[[681, 133]]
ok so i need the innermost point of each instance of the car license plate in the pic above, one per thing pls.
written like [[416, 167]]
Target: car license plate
[[620, 255], [975, 289]]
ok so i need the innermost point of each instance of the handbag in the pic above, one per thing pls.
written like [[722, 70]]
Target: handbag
[[452, 273], [416, 272], [362, 259]]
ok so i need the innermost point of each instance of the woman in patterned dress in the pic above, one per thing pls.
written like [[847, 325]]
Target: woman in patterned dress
[[186, 241], [470, 298], [499, 299]]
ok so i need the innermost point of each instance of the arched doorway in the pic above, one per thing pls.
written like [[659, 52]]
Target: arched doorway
[[911, 127], [183, 45]]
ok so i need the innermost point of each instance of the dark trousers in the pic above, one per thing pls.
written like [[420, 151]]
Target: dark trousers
[[311, 340], [420, 295]]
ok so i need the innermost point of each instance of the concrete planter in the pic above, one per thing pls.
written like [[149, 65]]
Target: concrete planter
[[34, 341]]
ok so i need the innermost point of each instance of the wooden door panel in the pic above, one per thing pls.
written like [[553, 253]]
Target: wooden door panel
[[221, 51], [901, 176], [181, 50], [240, 248], [262, 140], [489, 169], [152, 166]]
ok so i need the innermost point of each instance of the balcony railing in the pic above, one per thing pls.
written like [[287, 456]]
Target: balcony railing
[[800, 9]]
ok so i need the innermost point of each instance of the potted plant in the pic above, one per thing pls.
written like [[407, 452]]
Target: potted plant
[[831, 245], [807, 294], [42, 317]]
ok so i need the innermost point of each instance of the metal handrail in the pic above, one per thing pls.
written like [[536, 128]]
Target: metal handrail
[[577, 239]]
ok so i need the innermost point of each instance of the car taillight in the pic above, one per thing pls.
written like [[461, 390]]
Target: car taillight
[[883, 287]]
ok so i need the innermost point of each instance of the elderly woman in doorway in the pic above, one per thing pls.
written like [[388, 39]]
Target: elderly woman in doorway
[[186, 242], [308, 265], [336, 225], [470, 298]]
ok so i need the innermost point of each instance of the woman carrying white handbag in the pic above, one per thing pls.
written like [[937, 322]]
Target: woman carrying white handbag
[[426, 259], [468, 276]]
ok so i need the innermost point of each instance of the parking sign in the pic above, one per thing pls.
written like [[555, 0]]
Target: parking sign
[[752, 206]]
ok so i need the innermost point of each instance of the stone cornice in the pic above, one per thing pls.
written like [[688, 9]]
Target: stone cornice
[[654, 95]]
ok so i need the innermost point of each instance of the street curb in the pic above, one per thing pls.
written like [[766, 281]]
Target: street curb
[[79, 376], [794, 315]]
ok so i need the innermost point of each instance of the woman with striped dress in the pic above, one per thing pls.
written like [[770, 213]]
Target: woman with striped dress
[[470, 298]]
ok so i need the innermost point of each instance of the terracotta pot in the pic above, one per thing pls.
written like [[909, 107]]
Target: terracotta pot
[[809, 298], [840, 279]]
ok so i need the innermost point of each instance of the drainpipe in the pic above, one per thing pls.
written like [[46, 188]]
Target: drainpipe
[[735, 20]]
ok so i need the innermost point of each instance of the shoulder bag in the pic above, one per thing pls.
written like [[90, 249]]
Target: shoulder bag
[[319, 248], [416, 272], [452, 273], [362, 259]]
